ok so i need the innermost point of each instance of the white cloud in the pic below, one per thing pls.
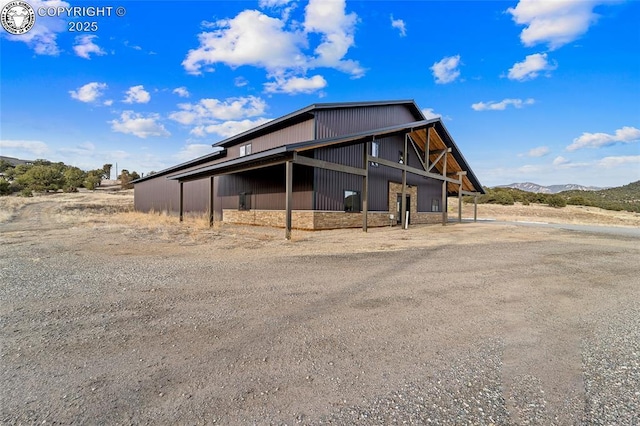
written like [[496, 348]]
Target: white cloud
[[137, 94], [560, 160], [555, 23], [22, 146], [400, 25], [139, 125], [85, 46], [132, 46], [446, 70], [251, 38], [278, 46], [208, 111], [42, 37], [531, 67], [240, 82], [610, 162], [625, 134], [193, 150], [273, 3], [108, 102], [528, 168], [430, 114], [90, 92], [182, 92], [540, 151], [228, 128], [85, 149], [295, 85], [329, 18], [502, 105]]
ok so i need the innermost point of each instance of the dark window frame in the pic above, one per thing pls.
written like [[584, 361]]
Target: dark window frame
[[349, 197], [244, 201]]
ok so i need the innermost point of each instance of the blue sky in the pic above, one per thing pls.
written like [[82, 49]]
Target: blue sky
[[542, 91]]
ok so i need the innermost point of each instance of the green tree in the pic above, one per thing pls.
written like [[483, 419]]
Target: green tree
[[556, 201], [5, 187], [73, 179], [4, 165], [41, 177], [107, 170], [93, 178], [126, 178]]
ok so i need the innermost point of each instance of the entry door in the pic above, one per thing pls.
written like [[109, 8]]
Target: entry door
[[400, 220]]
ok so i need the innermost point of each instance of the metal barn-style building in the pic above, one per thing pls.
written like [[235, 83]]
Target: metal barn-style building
[[326, 166]]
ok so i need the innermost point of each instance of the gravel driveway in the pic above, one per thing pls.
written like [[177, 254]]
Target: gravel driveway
[[472, 324]]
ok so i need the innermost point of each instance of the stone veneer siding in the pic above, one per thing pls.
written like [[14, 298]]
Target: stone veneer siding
[[305, 219], [317, 220], [415, 217]]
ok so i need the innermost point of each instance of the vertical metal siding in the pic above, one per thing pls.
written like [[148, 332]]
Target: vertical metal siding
[[267, 188], [196, 196], [159, 194], [299, 132], [330, 185], [343, 121], [162, 194]]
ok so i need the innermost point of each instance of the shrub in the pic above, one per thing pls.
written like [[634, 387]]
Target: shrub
[[556, 201], [4, 187], [504, 198], [26, 192]]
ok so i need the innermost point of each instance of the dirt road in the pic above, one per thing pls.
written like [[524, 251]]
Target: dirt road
[[113, 320]]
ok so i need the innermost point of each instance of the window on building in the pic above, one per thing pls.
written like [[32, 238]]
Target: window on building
[[244, 201], [352, 201], [435, 205], [375, 152], [245, 150]]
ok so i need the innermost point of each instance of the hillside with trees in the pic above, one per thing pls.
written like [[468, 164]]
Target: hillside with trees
[[625, 197], [26, 178]]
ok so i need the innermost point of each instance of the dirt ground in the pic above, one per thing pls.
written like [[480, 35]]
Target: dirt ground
[[110, 316]]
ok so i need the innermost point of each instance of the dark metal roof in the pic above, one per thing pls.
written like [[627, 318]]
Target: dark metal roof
[[190, 163], [307, 113], [283, 152]]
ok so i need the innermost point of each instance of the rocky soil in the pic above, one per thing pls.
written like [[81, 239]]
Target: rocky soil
[[112, 317]]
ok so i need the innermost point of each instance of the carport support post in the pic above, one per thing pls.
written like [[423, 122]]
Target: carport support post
[[210, 201], [403, 202], [475, 208], [289, 198], [444, 188], [460, 198], [365, 186], [181, 201]]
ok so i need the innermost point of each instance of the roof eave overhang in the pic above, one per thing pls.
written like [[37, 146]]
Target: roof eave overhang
[[284, 153]]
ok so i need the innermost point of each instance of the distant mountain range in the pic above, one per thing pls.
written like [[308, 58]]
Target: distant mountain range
[[551, 189]]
